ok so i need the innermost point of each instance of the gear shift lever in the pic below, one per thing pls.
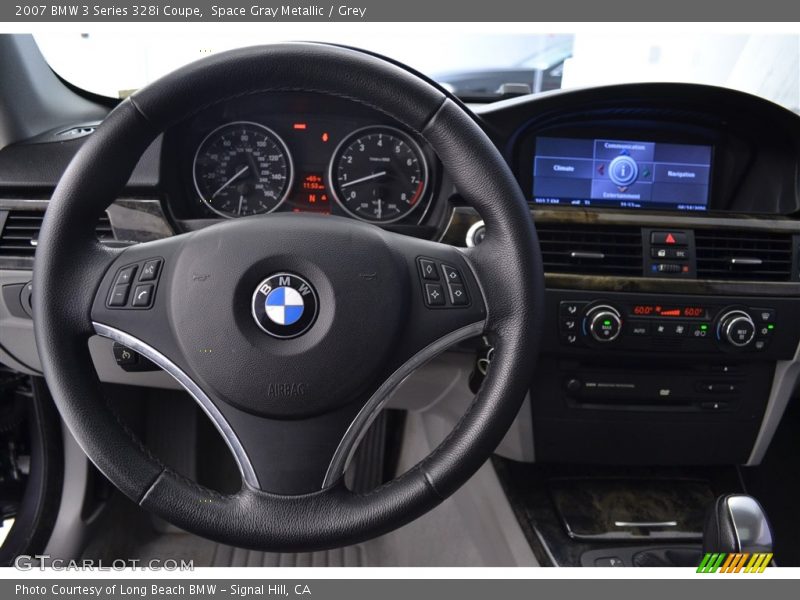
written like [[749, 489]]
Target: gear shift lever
[[737, 523]]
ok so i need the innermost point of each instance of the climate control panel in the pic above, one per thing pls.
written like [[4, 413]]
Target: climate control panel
[[666, 324]]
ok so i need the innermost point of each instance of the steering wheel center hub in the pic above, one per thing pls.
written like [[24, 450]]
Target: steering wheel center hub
[[285, 305], [269, 312]]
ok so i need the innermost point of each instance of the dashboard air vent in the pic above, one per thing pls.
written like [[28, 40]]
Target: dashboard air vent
[[743, 255], [591, 249], [21, 232]]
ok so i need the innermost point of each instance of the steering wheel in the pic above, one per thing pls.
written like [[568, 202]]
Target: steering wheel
[[290, 331]]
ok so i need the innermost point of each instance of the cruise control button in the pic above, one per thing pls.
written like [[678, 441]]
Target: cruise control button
[[150, 270], [451, 275], [124, 355], [434, 294], [458, 294], [126, 275], [142, 295], [119, 295]]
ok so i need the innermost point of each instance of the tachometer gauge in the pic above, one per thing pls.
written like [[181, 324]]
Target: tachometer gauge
[[241, 169], [378, 174]]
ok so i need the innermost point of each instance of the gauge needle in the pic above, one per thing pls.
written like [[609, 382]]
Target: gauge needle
[[367, 178], [238, 174]]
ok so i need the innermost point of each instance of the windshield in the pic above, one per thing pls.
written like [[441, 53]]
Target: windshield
[[473, 65]]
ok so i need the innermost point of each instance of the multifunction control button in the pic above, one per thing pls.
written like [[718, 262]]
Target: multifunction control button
[[129, 291], [150, 270], [434, 294], [428, 270], [450, 293]]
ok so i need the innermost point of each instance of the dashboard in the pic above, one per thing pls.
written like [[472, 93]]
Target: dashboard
[[667, 216]]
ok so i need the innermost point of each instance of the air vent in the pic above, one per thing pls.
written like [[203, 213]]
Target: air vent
[[743, 255], [21, 233], [591, 249]]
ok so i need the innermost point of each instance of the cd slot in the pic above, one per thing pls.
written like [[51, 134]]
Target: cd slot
[[647, 390]]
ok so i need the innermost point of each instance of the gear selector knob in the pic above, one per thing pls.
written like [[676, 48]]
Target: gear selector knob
[[737, 523]]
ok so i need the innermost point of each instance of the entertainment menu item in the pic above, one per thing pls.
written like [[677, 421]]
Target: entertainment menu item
[[622, 174]]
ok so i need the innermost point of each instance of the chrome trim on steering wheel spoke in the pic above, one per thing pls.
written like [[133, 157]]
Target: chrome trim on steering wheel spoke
[[362, 421], [239, 454]]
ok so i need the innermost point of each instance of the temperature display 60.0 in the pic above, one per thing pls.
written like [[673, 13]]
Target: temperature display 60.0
[[684, 312]]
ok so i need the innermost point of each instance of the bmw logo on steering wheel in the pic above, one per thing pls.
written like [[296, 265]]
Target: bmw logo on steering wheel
[[285, 305]]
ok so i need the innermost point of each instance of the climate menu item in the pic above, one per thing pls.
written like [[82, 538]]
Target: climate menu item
[[620, 173]]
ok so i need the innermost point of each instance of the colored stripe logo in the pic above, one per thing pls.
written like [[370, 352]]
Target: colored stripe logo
[[721, 562]]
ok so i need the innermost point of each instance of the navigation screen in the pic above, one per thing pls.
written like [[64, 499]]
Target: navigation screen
[[622, 174]]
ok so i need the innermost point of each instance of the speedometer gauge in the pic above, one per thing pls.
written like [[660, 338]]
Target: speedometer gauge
[[379, 174], [241, 169]]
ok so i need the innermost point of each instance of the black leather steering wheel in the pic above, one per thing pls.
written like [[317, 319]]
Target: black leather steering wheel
[[292, 409]]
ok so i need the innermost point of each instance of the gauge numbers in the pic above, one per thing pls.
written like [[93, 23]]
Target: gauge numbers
[[378, 174], [242, 168]]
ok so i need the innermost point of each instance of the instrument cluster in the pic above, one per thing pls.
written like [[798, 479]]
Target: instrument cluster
[[248, 158]]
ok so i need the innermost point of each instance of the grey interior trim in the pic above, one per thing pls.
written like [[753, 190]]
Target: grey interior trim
[[347, 446], [645, 523], [784, 382], [33, 98], [71, 528], [240, 456], [23, 204]]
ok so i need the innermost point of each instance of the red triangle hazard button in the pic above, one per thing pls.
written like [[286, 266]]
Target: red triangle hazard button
[[670, 239]]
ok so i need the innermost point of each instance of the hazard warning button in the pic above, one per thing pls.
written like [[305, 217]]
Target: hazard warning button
[[668, 238]]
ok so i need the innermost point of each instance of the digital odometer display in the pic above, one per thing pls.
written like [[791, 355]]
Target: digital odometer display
[[682, 312], [621, 174]]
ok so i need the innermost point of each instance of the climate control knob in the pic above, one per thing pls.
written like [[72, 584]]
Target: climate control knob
[[604, 323], [736, 328]]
